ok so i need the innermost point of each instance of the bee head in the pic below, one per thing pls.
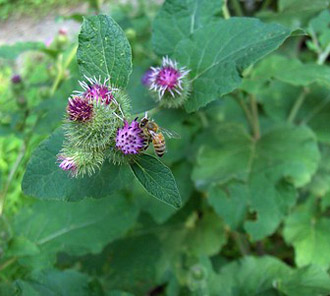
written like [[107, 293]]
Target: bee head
[[144, 121]]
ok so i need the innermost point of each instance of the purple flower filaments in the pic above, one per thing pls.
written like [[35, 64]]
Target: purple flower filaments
[[67, 164], [167, 78], [130, 139], [97, 91], [79, 109]]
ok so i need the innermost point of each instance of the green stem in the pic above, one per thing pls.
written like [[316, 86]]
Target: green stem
[[241, 243], [296, 106], [204, 120], [246, 110], [61, 69], [316, 110], [255, 117], [7, 263], [237, 8], [266, 4], [225, 11], [322, 57], [11, 175]]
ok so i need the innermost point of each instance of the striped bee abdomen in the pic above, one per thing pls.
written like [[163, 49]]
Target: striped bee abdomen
[[158, 141]]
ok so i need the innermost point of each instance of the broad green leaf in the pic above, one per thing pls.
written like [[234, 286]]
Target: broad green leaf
[[309, 235], [292, 71], [282, 156], [55, 283], [269, 276], [157, 179], [177, 19], [55, 226], [13, 51], [104, 50], [294, 13], [43, 178], [283, 151], [293, 5], [207, 236], [133, 264], [159, 211], [230, 203], [218, 53], [320, 184]]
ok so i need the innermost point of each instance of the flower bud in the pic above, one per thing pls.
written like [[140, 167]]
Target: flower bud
[[79, 162], [94, 115], [170, 83], [16, 79], [79, 109], [130, 138]]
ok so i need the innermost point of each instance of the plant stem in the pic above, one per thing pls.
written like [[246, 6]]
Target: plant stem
[[316, 110], [322, 57], [241, 243], [237, 8], [61, 69], [266, 4], [225, 11], [296, 106], [12, 175], [7, 263], [255, 117]]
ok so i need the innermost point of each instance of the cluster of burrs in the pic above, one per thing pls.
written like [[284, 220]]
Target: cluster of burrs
[[97, 125]]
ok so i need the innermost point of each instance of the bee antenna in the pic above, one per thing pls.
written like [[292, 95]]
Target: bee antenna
[[136, 118]]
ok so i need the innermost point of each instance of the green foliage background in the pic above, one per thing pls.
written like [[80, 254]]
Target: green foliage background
[[248, 211]]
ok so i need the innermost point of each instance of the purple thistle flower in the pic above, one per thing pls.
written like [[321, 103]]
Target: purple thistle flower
[[97, 91], [130, 139], [67, 164], [15, 79], [79, 109], [146, 78], [167, 78]]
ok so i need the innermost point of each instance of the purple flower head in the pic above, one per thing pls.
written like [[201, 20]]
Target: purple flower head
[[67, 164], [130, 139], [15, 79], [79, 109], [167, 78], [96, 91], [146, 78]]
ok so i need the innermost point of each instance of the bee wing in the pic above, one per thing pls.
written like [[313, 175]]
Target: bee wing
[[170, 134]]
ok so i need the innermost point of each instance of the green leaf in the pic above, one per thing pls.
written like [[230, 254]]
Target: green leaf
[[230, 203], [269, 276], [292, 71], [294, 13], [104, 50], [218, 53], [283, 151], [207, 237], [55, 226], [177, 19], [320, 184], [157, 179], [133, 264], [267, 167], [309, 235], [43, 178], [55, 283], [159, 211], [13, 51]]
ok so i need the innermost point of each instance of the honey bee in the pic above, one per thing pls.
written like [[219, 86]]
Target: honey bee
[[155, 135]]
